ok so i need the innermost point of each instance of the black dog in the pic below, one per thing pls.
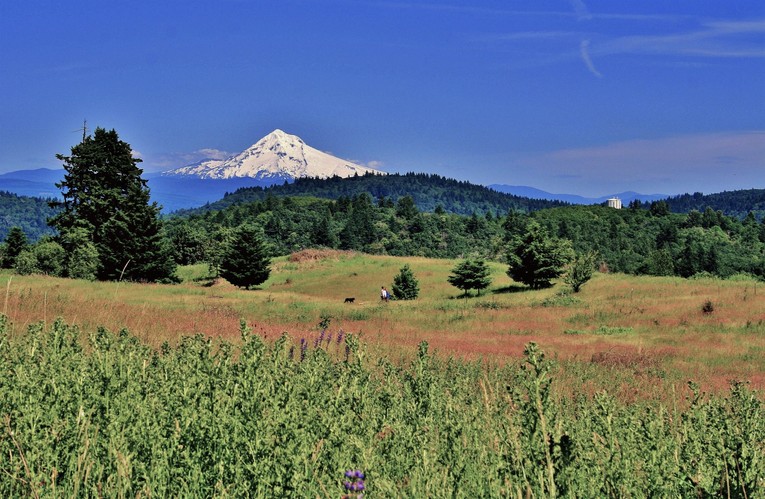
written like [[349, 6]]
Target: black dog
[[350, 300]]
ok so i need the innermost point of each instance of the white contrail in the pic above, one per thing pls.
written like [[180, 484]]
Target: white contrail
[[584, 50], [580, 9]]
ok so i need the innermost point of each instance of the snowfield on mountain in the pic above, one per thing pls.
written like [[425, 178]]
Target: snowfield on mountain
[[277, 155]]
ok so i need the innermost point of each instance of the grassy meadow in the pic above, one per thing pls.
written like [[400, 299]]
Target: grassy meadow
[[513, 393], [625, 328]]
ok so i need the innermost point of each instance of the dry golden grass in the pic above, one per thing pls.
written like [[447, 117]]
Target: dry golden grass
[[647, 332]]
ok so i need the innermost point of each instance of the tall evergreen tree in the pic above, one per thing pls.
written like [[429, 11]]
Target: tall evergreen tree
[[104, 193], [321, 231], [405, 208]]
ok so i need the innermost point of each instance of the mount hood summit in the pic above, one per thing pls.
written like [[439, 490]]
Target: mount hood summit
[[276, 156]]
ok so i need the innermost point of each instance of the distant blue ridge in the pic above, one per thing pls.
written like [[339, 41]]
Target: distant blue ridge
[[175, 192], [534, 193]]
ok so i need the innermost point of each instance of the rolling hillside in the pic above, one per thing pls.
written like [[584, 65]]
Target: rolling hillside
[[427, 190]]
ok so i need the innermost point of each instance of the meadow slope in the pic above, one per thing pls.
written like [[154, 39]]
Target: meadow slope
[[638, 336]]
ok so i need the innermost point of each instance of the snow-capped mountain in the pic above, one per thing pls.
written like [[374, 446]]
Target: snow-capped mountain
[[275, 156]]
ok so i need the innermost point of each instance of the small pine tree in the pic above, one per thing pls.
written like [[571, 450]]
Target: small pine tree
[[15, 243], [536, 259], [470, 274], [245, 260], [405, 285]]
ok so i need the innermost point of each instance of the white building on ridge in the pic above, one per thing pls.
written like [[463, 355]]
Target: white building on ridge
[[615, 203]]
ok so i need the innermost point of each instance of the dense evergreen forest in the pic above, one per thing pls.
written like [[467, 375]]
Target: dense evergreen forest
[[638, 240], [733, 203], [430, 191], [427, 190], [29, 213]]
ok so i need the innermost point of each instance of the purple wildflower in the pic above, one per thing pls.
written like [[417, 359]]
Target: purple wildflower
[[355, 474], [303, 348], [354, 486], [356, 482], [340, 337]]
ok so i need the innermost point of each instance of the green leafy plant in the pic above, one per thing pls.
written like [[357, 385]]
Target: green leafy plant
[[580, 270], [100, 413]]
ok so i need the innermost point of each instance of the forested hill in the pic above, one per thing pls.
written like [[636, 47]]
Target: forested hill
[[427, 190], [732, 203], [29, 213]]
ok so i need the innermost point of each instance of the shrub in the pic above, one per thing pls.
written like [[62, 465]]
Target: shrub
[[50, 258], [561, 299], [580, 271], [708, 307], [26, 263]]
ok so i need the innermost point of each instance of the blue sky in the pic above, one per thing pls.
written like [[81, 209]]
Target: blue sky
[[578, 96]]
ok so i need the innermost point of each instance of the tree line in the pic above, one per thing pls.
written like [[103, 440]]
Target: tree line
[[427, 190], [642, 239], [733, 203], [105, 227]]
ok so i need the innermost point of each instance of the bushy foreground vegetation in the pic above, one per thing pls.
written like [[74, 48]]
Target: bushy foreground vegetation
[[110, 417]]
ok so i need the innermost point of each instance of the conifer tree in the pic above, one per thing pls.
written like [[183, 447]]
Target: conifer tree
[[405, 285], [245, 260], [536, 258], [470, 274], [104, 193], [15, 243]]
